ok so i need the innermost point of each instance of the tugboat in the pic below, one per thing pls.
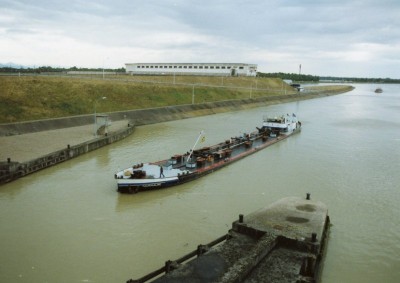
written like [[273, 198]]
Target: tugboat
[[182, 168]]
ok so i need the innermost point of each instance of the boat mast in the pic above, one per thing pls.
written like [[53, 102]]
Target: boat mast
[[191, 152]]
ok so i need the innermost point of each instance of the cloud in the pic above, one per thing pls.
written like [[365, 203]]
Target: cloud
[[325, 36]]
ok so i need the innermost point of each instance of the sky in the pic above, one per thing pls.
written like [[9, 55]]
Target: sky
[[345, 38]]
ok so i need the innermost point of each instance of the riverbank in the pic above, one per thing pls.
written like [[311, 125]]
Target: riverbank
[[48, 97], [26, 141], [169, 113]]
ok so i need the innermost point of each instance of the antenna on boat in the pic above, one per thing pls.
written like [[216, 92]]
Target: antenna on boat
[[198, 138]]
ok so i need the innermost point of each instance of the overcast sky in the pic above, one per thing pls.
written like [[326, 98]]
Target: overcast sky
[[359, 38]]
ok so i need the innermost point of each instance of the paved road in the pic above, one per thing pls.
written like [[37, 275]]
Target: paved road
[[30, 146]]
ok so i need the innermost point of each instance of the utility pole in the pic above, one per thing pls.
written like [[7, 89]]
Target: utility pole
[[193, 95]]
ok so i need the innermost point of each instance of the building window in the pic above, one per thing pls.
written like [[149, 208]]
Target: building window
[[147, 67], [217, 67], [180, 67], [156, 67], [241, 68], [228, 67], [205, 67], [195, 67], [185, 67], [190, 67], [200, 67], [175, 67], [223, 67], [211, 67], [138, 67]]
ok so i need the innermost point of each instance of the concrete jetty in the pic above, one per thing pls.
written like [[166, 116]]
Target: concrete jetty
[[37, 151], [284, 242]]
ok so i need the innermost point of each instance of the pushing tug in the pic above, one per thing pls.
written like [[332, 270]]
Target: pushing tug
[[182, 168]]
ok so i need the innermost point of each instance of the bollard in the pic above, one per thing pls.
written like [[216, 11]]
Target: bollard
[[308, 196], [9, 160], [201, 249], [168, 266], [240, 218], [313, 237], [68, 146]]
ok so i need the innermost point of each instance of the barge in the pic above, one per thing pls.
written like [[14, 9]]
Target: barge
[[283, 242], [182, 168]]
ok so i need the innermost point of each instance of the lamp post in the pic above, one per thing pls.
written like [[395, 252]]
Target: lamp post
[[103, 66], [95, 118], [193, 95]]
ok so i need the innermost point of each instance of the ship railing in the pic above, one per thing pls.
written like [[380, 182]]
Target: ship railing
[[171, 265]]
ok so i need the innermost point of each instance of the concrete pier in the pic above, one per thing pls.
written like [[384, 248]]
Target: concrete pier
[[283, 242], [11, 170]]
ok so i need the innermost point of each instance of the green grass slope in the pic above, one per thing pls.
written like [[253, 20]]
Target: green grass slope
[[41, 97]]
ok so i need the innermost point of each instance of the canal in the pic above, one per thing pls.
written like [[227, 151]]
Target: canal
[[68, 223]]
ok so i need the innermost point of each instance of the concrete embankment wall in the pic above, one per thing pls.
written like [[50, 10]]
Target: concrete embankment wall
[[11, 170], [156, 115]]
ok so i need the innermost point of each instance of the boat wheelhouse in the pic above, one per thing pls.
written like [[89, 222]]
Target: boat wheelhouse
[[276, 125]]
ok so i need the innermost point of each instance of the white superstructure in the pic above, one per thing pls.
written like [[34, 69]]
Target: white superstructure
[[281, 124], [198, 69]]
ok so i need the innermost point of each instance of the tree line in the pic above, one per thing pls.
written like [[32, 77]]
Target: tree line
[[309, 78], [290, 76], [362, 80], [48, 69]]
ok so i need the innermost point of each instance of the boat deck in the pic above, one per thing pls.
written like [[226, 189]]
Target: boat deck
[[283, 242], [182, 168]]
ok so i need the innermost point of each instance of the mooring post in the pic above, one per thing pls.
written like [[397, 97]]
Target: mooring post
[[8, 160], [308, 196], [313, 237], [168, 266], [240, 218]]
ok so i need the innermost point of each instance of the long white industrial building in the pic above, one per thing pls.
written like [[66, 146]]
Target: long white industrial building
[[198, 69]]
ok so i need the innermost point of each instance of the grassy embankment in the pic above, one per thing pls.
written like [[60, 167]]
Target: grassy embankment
[[39, 97], [32, 98]]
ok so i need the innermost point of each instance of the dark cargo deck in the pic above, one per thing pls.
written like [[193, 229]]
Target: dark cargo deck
[[283, 242]]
